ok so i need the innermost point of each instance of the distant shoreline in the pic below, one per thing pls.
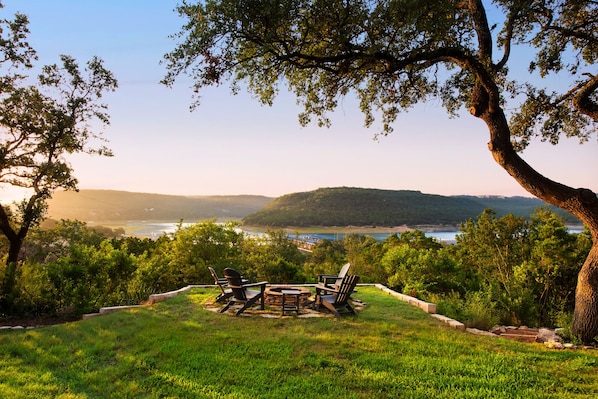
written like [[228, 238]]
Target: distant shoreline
[[154, 228], [137, 227], [355, 229]]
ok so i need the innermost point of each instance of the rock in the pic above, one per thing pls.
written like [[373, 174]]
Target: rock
[[498, 330], [554, 345], [546, 335]]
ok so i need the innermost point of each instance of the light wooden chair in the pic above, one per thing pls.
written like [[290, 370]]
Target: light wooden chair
[[337, 299]]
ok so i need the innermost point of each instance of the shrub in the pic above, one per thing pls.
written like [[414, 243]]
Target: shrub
[[475, 310]]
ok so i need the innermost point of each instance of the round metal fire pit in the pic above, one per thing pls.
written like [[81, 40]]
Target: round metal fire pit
[[273, 295]]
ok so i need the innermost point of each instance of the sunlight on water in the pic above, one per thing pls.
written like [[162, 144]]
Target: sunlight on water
[[155, 230]]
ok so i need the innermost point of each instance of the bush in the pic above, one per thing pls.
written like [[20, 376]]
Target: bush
[[90, 278], [34, 294], [475, 310]]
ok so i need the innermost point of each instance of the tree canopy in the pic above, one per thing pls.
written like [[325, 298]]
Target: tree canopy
[[393, 54], [42, 121]]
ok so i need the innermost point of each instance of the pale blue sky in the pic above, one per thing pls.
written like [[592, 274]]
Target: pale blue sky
[[233, 145]]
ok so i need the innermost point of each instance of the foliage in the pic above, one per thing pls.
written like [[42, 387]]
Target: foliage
[[327, 257], [364, 253], [392, 55], [40, 124], [476, 309], [273, 257], [90, 278], [47, 244], [194, 248], [420, 272], [502, 270], [178, 349], [183, 257], [521, 264]]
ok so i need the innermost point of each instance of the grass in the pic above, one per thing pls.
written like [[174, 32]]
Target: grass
[[177, 349]]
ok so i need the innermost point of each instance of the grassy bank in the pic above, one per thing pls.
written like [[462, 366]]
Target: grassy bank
[[177, 349]]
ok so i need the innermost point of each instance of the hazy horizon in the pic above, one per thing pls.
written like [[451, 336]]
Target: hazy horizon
[[7, 196], [231, 145]]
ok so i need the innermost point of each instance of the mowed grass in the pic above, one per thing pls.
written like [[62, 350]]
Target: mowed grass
[[177, 349]]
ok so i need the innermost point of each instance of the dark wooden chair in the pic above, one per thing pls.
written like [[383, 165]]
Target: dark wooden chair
[[332, 280], [222, 284], [240, 292], [337, 299]]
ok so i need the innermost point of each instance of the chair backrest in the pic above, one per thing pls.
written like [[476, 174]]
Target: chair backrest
[[235, 283], [217, 279], [214, 275], [343, 272], [345, 289]]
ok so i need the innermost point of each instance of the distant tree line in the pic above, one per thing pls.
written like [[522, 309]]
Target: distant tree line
[[508, 269]]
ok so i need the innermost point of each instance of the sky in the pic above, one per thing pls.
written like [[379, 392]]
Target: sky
[[232, 145]]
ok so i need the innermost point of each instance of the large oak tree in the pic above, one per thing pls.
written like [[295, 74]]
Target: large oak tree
[[42, 120], [393, 54]]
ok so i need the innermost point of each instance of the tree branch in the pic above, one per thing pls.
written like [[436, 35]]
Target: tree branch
[[582, 100], [480, 22]]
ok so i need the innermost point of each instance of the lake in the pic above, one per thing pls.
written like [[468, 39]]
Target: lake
[[155, 230]]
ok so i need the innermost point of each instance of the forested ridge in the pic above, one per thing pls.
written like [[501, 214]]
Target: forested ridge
[[111, 205], [344, 206]]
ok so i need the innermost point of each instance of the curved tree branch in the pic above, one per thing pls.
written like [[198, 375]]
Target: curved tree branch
[[582, 100], [508, 32], [482, 29]]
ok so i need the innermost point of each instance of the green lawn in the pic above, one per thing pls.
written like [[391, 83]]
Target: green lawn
[[176, 349]]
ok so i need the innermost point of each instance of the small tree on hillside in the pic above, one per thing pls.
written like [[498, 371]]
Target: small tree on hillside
[[39, 125], [394, 54]]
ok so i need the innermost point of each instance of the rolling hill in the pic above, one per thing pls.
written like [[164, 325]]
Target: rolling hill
[[338, 206], [344, 206], [110, 205]]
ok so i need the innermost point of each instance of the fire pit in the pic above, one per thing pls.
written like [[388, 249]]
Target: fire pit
[[273, 295]]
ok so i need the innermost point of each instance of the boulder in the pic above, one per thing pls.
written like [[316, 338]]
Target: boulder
[[545, 335]]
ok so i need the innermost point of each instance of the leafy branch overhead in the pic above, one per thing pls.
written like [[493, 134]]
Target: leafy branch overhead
[[395, 54]]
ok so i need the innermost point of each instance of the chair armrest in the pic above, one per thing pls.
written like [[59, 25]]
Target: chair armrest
[[333, 280], [327, 288], [328, 279], [256, 284]]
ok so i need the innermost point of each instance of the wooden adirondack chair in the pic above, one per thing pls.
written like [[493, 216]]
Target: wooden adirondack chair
[[240, 292], [337, 299], [223, 284], [331, 280]]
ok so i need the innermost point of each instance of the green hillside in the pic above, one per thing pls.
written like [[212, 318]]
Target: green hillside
[[344, 206], [109, 205]]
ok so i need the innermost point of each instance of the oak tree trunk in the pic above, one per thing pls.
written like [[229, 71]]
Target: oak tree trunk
[[585, 317], [582, 203], [7, 295]]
